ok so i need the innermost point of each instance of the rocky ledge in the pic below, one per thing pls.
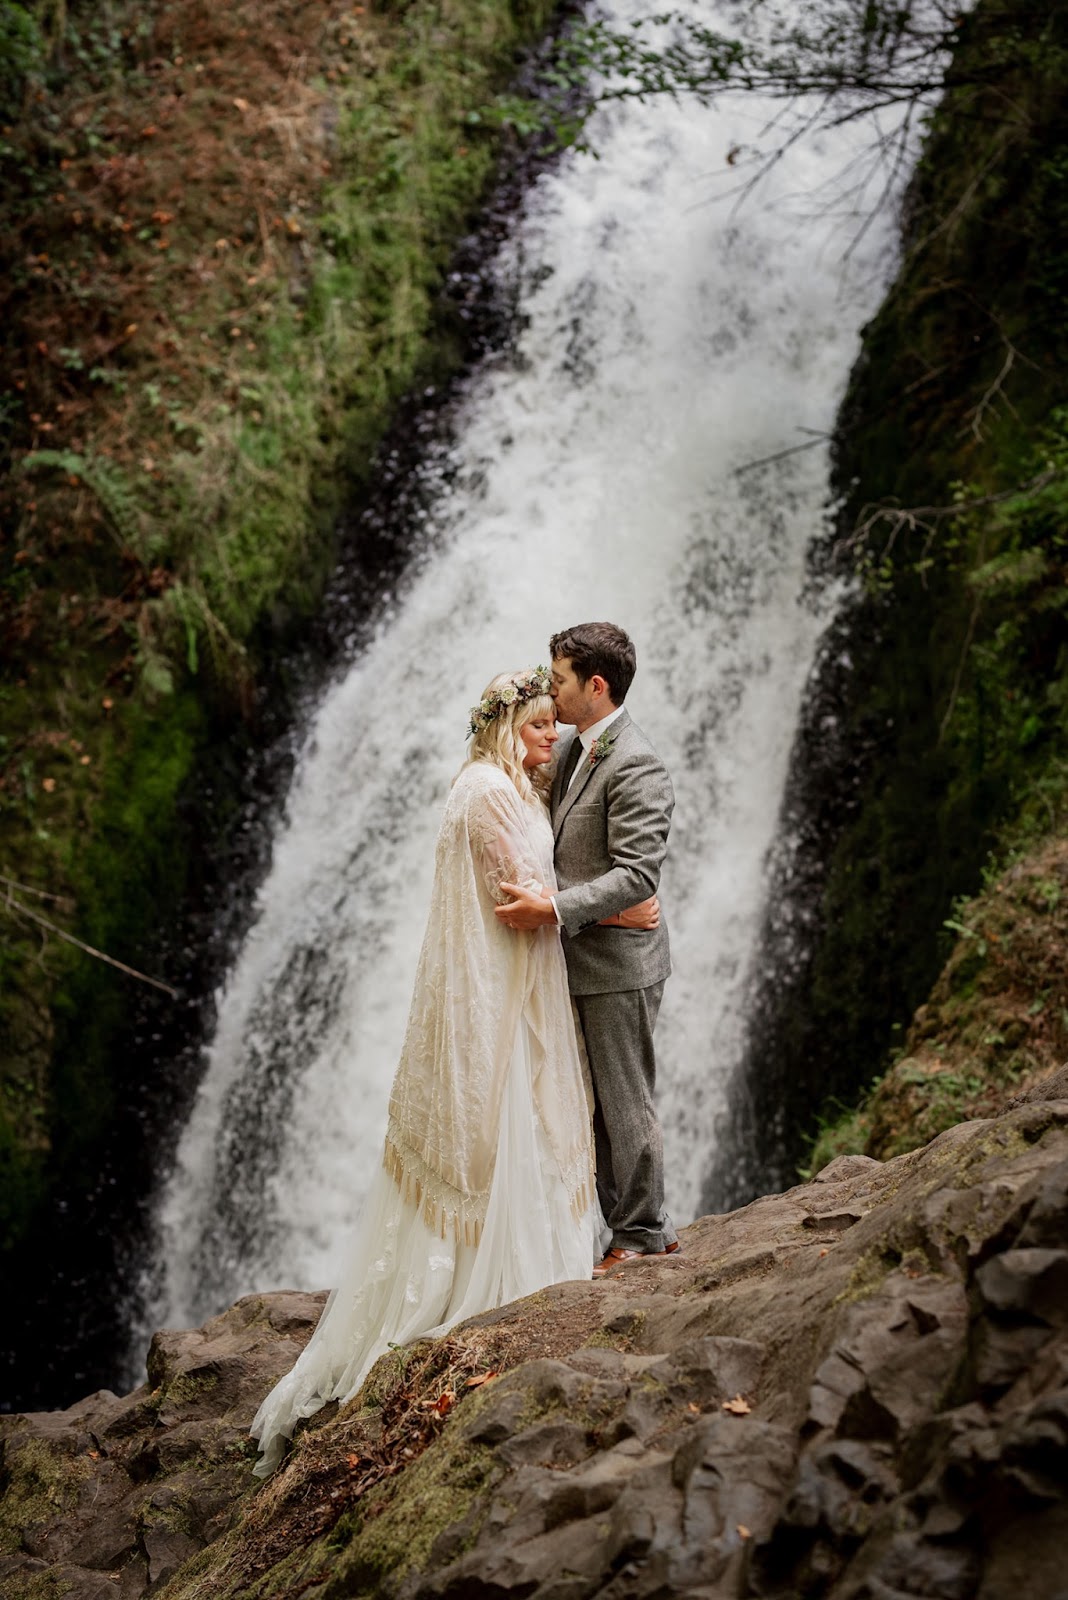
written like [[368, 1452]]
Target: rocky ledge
[[857, 1389]]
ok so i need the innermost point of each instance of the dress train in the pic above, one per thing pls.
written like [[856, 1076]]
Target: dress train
[[404, 1282]]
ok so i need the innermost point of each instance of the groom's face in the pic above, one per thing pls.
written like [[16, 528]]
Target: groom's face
[[573, 701]]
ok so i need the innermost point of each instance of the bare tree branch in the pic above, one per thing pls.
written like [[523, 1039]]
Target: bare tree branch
[[16, 908]]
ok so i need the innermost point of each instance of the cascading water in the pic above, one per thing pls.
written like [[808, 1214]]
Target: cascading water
[[667, 342]]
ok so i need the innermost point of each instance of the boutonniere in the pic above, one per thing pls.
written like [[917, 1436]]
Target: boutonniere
[[601, 747]]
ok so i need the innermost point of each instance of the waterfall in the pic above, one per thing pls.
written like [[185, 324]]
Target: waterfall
[[601, 468]]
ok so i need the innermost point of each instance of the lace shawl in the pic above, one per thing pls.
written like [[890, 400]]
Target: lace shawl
[[477, 982]]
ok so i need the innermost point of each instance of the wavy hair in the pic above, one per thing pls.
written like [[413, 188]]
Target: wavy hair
[[501, 744]]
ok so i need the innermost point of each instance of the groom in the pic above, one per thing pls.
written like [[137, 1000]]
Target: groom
[[611, 809]]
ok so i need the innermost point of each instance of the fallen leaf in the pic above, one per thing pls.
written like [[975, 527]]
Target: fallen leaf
[[48, 784], [242, 105], [107, 703], [85, 760], [353, 1461], [479, 1379], [444, 1403], [737, 1407], [692, 1407], [743, 1532]]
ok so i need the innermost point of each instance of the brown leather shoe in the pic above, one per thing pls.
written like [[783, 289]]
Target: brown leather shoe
[[618, 1257]]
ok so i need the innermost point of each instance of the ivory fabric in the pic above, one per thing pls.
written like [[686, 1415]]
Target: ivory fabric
[[486, 1192], [476, 978]]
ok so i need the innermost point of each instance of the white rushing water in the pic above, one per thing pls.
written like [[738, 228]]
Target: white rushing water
[[668, 341]]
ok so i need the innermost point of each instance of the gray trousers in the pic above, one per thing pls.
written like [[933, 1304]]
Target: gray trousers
[[618, 1030]]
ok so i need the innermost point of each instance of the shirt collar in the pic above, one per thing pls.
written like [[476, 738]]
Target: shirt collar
[[595, 730]]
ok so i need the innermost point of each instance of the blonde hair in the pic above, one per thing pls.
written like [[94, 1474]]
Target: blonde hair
[[500, 743]]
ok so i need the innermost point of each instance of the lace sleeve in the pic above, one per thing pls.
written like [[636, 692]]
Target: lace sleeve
[[500, 841]]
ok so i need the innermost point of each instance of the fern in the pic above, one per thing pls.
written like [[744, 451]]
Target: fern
[[107, 482]]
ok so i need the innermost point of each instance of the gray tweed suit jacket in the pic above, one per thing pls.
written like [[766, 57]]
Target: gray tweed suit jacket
[[611, 829]]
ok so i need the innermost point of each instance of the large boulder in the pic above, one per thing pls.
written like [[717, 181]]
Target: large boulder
[[110, 1497], [857, 1389]]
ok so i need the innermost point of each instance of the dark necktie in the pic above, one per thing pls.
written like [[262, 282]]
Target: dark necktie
[[570, 764]]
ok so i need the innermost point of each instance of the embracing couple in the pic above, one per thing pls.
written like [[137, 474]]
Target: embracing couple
[[521, 1149]]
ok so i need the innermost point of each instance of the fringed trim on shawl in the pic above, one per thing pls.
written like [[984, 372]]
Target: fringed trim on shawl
[[581, 1186], [445, 1209], [448, 1210]]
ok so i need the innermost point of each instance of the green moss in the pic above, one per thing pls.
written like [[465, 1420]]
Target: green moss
[[843, 1131], [622, 1333], [40, 1586], [439, 1490], [869, 1273], [41, 1485], [960, 683], [226, 541], [186, 1386]]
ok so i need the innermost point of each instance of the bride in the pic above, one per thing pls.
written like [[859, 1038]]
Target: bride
[[486, 1190]]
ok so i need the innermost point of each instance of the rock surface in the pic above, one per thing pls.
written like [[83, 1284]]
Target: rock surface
[[857, 1389], [110, 1497]]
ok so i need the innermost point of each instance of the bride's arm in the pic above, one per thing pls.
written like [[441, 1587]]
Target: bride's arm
[[501, 845]]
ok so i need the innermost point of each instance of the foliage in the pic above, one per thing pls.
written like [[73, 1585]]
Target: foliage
[[225, 235], [107, 482], [937, 722], [20, 51], [995, 1023], [840, 60]]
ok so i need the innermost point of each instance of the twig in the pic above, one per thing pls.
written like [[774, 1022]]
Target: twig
[[35, 916], [42, 894], [780, 455], [913, 517], [991, 394], [955, 691]]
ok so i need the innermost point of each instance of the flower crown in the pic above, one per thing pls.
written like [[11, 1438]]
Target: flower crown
[[524, 686]]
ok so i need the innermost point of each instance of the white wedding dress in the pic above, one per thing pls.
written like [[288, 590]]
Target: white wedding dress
[[486, 1191]]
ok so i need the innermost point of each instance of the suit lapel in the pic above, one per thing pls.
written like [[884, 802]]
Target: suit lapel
[[582, 776], [558, 778]]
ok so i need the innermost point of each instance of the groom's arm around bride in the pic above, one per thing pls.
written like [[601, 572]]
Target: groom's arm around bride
[[611, 811]]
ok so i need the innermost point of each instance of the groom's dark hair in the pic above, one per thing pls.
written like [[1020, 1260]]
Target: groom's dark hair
[[598, 648]]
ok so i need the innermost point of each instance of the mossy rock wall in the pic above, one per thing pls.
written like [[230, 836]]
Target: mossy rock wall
[[937, 718], [229, 229]]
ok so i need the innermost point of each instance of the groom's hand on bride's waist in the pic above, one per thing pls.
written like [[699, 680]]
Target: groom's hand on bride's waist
[[526, 910]]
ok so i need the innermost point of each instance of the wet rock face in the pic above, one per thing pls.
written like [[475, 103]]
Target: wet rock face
[[110, 1497], [857, 1389]]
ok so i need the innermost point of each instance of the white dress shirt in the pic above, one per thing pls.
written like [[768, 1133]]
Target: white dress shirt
[[589, 736]]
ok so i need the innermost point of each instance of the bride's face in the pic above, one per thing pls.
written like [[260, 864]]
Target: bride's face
[[539, 735]]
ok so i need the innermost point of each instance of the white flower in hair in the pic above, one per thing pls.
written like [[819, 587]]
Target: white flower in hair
[[522, 687]]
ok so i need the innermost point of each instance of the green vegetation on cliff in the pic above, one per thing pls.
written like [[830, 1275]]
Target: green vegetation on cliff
[[953, 460], [225, 232]]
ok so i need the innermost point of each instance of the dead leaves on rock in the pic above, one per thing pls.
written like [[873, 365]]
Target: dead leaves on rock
[[738, 1407]]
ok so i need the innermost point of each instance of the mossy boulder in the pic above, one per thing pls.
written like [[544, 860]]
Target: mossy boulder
[[995, 1028]]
